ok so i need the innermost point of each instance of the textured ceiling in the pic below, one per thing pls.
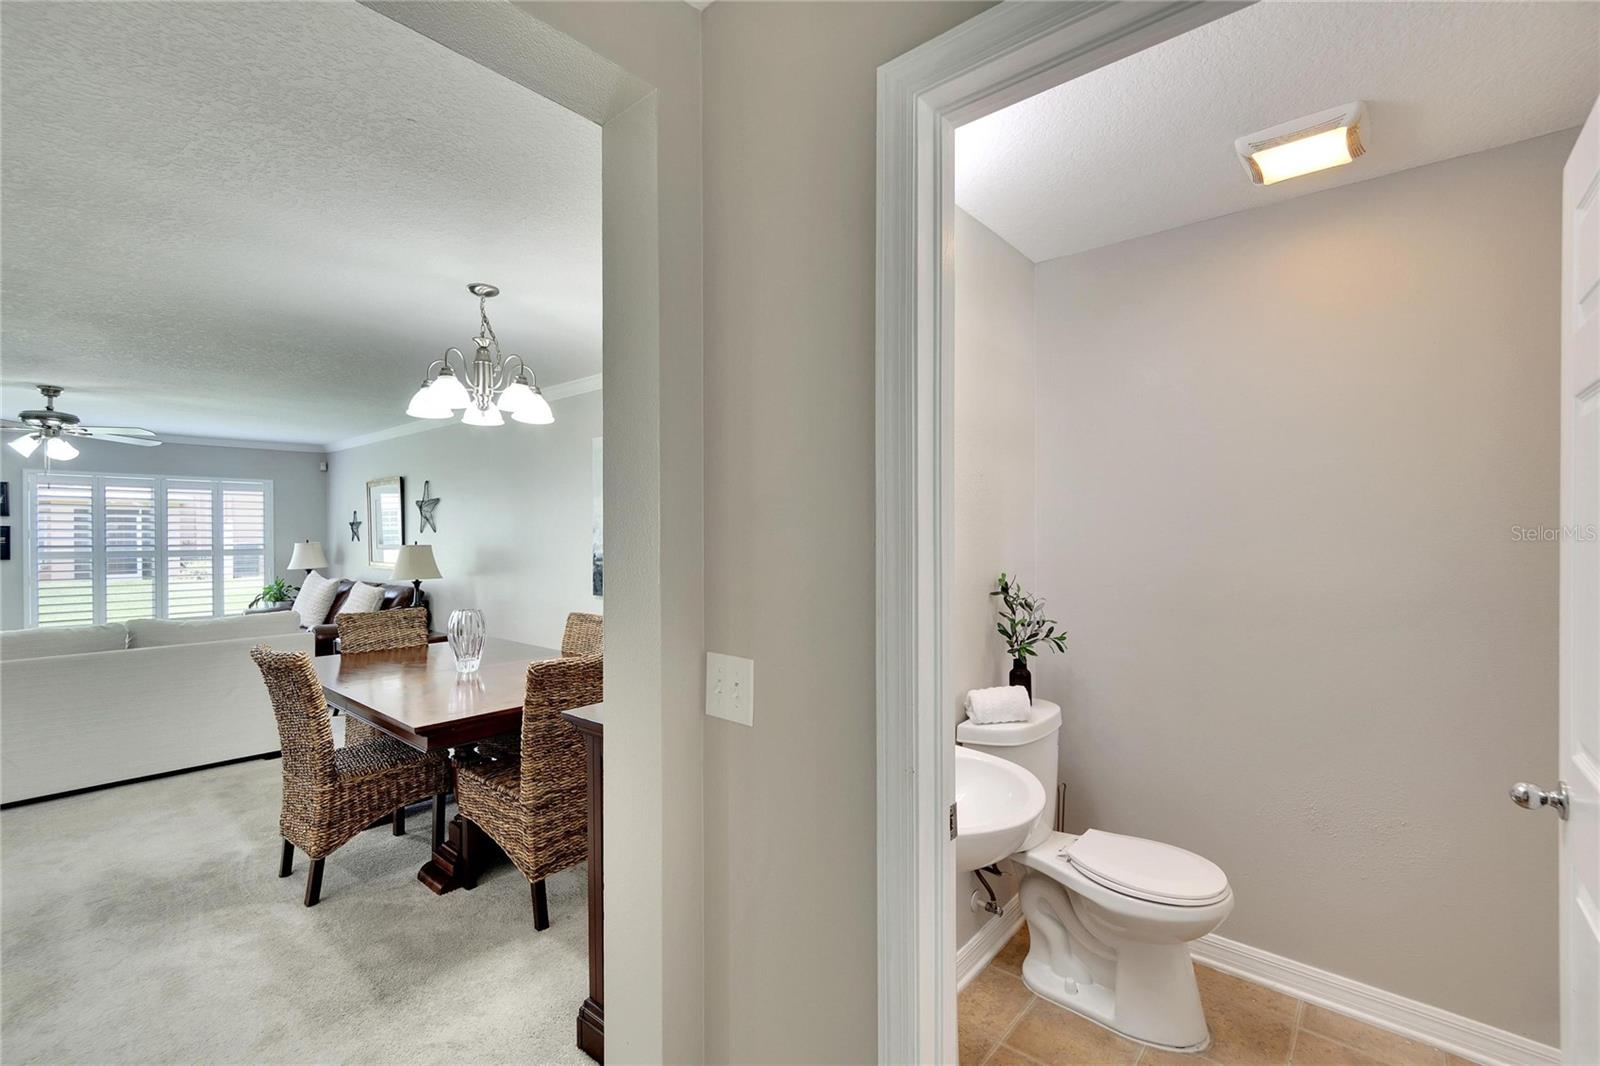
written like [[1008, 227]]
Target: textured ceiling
[[1146, 144], [258, 221]]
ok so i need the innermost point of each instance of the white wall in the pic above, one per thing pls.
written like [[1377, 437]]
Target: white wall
[[299, 494], [790, 164], [514, 515], [1282, 454], [994, 474]]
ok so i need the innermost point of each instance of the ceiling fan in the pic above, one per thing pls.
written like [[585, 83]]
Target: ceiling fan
[[54, 429]]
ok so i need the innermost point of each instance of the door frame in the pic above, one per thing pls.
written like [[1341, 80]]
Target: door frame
[[1006, 54], [653, 493]]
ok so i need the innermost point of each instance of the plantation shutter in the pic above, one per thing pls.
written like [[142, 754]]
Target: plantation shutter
[[63, 550], [244, 545], [130, 549], [191, 538]]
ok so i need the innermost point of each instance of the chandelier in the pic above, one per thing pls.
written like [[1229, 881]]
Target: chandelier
[[486, 389]]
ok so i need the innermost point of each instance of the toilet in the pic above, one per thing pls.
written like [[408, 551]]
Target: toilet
[[1110, 917]]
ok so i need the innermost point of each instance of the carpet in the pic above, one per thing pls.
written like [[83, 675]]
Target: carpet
[[147, 923]]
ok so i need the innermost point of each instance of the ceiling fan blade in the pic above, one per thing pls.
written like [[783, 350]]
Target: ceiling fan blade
[[120, 431], [6, 423], [143, 442]]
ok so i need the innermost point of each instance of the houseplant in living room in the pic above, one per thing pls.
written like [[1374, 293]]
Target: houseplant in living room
[[274, 597], [1024, 628]]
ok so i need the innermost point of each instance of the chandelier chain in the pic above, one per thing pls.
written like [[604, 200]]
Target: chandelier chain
[[488, 329]]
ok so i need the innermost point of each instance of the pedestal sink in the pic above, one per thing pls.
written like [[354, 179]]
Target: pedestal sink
[[996, 805]]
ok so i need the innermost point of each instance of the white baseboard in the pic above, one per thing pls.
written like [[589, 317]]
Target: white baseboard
[[986, 943], [1431, 1025]]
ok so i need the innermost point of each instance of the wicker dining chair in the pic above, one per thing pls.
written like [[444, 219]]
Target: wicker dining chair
[[404, 627], [535, 805], [584, 635], [329, 794]]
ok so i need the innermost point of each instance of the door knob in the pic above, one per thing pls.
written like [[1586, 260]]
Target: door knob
[[1532, 796]]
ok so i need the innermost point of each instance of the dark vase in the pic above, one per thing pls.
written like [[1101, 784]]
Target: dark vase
[[1020, 676]]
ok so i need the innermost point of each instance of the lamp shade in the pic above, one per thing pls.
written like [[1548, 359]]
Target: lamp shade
[[450, 390], [307, 555], [535, 410], [483, 416], [414, 562], [425, 404]]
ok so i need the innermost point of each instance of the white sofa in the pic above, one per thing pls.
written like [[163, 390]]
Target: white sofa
[[94, 705]]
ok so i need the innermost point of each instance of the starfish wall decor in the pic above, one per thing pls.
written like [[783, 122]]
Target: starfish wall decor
[[355, 526], [426, 506]]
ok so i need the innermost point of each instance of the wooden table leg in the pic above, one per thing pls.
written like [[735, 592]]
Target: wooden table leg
[[455, 863]]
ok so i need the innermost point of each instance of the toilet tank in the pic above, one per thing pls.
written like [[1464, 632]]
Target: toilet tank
[[1034, 745]]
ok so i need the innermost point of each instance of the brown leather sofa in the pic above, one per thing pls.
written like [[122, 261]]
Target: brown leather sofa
[[401, 595]]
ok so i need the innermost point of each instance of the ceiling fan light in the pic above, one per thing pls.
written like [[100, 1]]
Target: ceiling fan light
[[426, 404], [59, 449], [450, 390], [515, 397], [483, 416], [25, 446], [535, 410]]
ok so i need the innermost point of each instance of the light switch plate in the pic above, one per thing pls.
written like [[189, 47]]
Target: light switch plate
[[730, 687]]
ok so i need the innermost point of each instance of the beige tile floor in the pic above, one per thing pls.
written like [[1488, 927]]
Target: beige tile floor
[[1004, 1024]]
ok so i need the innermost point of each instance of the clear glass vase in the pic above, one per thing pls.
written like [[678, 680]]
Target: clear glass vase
[[466, 632]]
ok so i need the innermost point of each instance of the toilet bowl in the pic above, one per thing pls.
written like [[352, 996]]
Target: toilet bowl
[[1110, 917]]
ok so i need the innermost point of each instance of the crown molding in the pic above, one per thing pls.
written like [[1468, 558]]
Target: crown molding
[[553, 393], [225, 442]]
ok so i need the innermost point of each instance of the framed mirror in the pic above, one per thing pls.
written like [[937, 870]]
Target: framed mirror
[[386, 521]]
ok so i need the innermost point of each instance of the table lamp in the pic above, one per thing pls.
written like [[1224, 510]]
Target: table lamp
[[307, 556], [413, 563]]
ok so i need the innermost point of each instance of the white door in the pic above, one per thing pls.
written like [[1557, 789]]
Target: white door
[[1580, 599]]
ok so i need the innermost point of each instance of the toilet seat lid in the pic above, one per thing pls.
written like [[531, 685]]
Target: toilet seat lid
[[1147, 869]]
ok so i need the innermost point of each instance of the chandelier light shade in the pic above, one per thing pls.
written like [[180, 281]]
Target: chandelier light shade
[[535, 412], [59, 449], [487, 387], [483, 416], [426, 403], [24, 446]]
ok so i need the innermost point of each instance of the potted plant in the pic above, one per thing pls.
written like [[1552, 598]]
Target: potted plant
[[280, 591], [1024, 628]]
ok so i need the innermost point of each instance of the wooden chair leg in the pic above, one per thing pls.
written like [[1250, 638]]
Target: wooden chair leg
[[541, 906], [438, 821], [286, 864], [314, 882], [400, 820]]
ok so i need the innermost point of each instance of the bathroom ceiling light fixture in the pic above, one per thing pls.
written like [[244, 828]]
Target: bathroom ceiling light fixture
[[1304, 146], [487, 388]]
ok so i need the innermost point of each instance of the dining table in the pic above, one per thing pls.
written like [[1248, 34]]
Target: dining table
[[417, 696]]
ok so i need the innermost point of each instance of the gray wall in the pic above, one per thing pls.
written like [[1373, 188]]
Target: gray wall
[[1286, 452], [994, 474], [514, 516], [790, 164], [299, 494]]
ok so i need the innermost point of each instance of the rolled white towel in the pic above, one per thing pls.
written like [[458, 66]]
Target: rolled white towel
[[1008, 703]]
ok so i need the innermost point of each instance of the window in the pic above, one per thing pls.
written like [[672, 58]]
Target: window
[[107, 548]]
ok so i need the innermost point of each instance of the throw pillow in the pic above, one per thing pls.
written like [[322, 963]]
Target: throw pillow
[[362, 598], [316, 596]]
